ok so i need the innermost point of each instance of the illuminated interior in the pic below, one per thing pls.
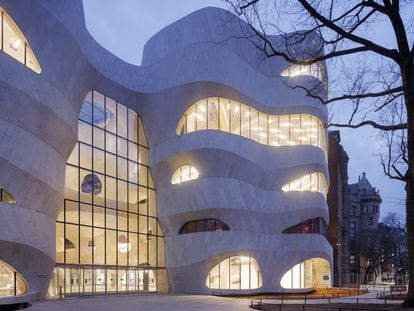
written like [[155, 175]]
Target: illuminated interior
[[237, 272], [15, 44], [6, 197], [314, 70], [314, 182], [311, 273], [184, 173], [108, 238], [11, 282], [229, 116]]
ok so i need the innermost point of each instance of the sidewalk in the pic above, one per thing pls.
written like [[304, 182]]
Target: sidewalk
[[161, 302]]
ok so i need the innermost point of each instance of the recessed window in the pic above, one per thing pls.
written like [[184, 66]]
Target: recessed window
[[15, 44], [314, 225], [352, 230], [237, 272], [6, 197], [314, 70], [216, 113], [203, 225], [184, 173], [310, 273], [314, 182]]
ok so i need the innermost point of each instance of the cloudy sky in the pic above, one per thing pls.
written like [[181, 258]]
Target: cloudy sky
[[123, 27]]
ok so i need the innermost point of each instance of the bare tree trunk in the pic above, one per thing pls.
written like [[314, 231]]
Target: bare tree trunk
[[409, 187]]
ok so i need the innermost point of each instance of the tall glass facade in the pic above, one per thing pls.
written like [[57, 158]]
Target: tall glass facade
[[227, 115], [108, 239]]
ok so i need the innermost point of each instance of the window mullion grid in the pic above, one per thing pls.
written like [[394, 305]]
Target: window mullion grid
[[127, 198], [105, 197], [116, 195], [93, 190]]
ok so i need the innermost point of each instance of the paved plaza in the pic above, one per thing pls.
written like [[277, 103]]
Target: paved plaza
[[174, 302]]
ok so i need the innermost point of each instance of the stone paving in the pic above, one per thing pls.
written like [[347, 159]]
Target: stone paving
[[160, 302]]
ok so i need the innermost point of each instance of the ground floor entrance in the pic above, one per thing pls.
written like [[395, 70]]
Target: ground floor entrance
[[83, 280]]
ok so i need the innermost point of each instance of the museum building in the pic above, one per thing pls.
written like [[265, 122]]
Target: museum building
[[201, 171]]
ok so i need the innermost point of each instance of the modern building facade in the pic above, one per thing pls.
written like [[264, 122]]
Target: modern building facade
[[199, 171], [364, 237], [338, 202]]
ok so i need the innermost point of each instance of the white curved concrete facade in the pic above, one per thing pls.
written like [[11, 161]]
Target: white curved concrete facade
[[240, 181]]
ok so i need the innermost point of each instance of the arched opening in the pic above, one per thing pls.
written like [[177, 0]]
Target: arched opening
[[311, 273], [11, 282], [237, 272], [184, 173]]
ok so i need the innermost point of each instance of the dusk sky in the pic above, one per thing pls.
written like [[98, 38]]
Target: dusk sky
[[123, 27]]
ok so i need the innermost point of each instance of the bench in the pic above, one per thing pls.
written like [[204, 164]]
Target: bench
[[398, 288]]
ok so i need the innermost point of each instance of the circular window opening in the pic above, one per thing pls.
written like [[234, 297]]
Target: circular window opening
[[91, 184], [95, 113]]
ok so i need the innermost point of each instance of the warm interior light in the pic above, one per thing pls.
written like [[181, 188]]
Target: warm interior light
[[124, 245], [16, 44]]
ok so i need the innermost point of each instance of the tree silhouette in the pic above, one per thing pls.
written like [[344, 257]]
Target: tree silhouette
[[376, 80]]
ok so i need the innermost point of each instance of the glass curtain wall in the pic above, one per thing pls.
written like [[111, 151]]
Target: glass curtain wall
[[233, 117], [108, 239], [14, 43], [237, 272], [11, 282]]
